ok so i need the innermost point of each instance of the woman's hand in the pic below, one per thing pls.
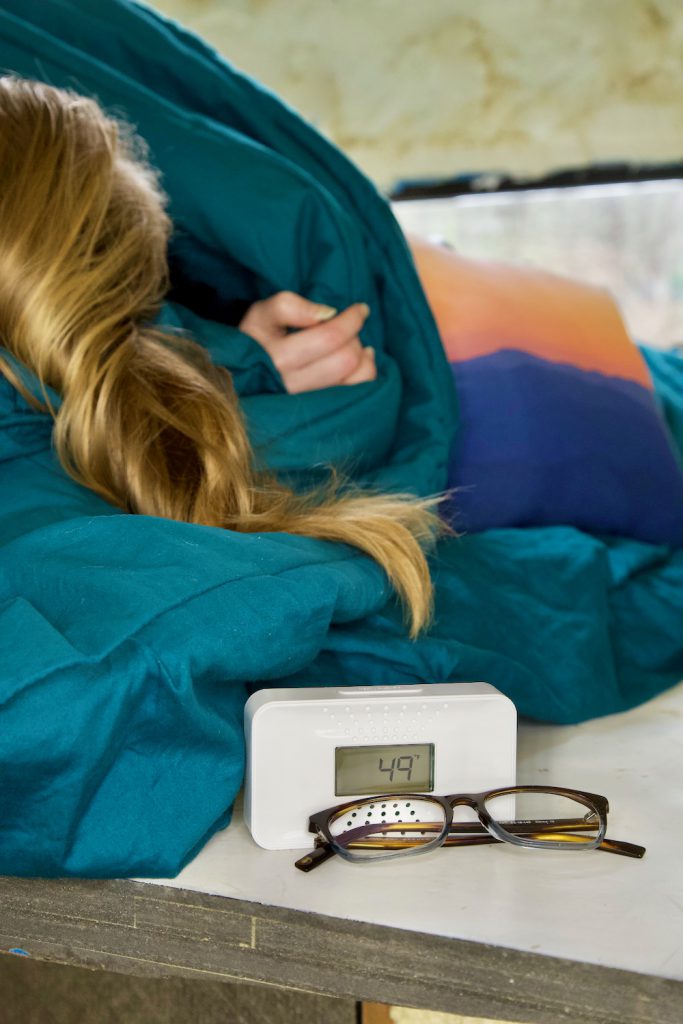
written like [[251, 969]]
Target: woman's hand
[[325, 352]]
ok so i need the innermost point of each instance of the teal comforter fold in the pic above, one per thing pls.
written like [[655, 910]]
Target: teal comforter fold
[[128, 644]]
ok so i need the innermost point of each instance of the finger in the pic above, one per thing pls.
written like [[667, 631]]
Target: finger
[[366, 371], [292, 310], [269, 319], [327, 372], [301, 349]]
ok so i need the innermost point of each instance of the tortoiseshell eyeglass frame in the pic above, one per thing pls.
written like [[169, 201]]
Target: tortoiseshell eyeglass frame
[[555, 833]]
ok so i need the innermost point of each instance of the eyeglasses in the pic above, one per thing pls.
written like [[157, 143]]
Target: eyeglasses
[[539, 817]]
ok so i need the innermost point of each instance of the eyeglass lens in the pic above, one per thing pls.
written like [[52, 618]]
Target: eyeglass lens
[[391, 825], [544, 817]]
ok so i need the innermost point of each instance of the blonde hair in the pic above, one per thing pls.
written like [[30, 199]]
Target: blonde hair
[[147, 421]]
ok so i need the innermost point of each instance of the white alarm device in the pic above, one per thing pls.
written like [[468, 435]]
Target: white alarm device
[[311, 748]]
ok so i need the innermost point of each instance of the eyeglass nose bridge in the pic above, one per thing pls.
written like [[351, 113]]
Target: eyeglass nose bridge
[[475, 803], [472, 801], [463, 800]]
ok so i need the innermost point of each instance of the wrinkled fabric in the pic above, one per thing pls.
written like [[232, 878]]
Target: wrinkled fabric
[[128, 644]]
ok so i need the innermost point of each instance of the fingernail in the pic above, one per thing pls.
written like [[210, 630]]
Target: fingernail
[[370, 349], [325, 312], [365, 308]]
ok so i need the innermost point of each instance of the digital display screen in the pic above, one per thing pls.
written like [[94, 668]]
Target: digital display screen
[[391, 768]]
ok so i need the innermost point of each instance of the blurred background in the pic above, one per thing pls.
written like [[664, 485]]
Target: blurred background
[[546, 132]]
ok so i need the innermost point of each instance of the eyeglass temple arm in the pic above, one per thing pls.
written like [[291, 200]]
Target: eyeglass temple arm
[[532, 829], [319, 855], [323, 851], [618, 846], [565, 826]]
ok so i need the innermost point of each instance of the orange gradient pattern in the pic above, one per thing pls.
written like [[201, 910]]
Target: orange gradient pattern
[[482, 307]]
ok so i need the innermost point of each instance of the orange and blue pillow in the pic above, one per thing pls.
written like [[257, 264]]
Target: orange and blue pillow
[[559, 421]]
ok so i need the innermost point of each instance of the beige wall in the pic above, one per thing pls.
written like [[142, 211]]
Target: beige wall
[[432, 88]]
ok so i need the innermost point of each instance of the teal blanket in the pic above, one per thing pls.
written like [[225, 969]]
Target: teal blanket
[[129, 644]]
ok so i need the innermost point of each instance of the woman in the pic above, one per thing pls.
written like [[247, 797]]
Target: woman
[[146, 420]]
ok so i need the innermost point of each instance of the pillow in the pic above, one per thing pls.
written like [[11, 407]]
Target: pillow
[[559, 421]]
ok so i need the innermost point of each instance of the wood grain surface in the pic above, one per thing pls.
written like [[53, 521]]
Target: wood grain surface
[[159, 931]]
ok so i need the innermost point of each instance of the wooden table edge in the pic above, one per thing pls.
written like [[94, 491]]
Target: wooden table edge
[[132, 927]]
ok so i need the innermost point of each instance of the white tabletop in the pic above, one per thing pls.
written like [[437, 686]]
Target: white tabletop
[[591, 907]]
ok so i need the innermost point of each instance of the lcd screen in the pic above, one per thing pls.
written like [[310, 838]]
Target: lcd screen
[[391, 768]]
